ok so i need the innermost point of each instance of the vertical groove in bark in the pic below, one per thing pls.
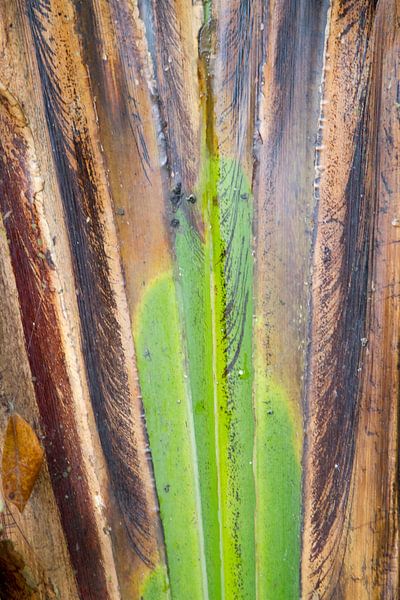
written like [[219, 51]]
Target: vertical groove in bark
[[173, 45]]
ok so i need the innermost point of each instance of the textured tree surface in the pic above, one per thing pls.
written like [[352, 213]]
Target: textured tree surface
[[199, 299]]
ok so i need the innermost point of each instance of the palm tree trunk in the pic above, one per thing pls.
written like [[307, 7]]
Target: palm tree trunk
[[200, 303]]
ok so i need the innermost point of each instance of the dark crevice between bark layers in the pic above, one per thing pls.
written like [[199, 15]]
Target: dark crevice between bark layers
[[101, 334], [44, 347]]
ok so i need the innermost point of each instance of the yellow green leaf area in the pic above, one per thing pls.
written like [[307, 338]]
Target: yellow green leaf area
[[156, 585], [278, 488], [194, 342]]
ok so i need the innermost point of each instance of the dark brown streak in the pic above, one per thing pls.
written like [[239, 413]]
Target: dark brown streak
[[111, 82], [182, 141], [241, 52], [179, 138], [47, 362], [337, 406], [101, 336]]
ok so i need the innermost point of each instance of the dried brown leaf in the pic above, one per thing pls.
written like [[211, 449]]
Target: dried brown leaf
[[22, 459]]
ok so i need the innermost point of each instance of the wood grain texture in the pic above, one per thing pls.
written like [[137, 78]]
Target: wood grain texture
[[38, 542], [121, 79], [80, 186], [101, 302], [352, 393], [294, 35], [174, 45], [37, 300]]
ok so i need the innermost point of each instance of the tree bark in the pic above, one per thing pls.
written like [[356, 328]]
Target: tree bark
[[199, 298]]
